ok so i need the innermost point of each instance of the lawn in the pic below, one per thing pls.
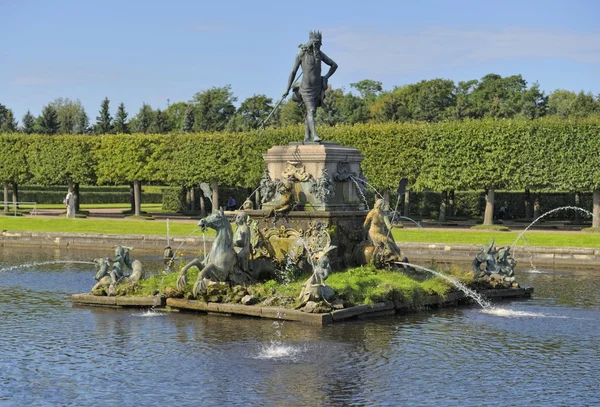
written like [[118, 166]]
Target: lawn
[[158, 227]]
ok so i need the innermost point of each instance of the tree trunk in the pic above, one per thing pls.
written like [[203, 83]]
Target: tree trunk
[[537, 208], [15, 195], [442, 217], [193, 199], [488, 217], [137, 198], [596, 209], [5, 196], [528, 209], [132, 198], [386, 200], [407, 204], [451, 204], [202, 204], [577, 204], [76, 193], [215, 196]]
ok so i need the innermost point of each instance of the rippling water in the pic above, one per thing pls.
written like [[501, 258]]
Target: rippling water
[[544, 351]]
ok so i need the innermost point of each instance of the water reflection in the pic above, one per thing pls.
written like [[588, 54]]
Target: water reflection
[[538, 352]]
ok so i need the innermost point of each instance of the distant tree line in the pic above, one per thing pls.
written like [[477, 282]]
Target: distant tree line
[[493, 96]]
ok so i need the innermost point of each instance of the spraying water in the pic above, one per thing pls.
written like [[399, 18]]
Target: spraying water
[[43, 263], [576, 208], [360, 192], [184, 240], [470, 293]]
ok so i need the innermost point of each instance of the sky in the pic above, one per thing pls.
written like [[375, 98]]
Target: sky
[[161, 52]]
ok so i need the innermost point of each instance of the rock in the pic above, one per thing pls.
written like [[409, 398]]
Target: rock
[[216, 289], [496, 277], [171, 292], [249, 300], [270, 301], [338, 304], [515, 285], [310, 307], [509, 279]]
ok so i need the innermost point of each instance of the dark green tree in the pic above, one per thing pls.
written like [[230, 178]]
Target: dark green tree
[[188, 119], [214, 108], [354, 109], [47, 122], [291, 113], [585, 105], [161, 123], [143, 120], [252, 112], [330, 113], [104, 119], [120, 123], [8, 124], [28, 123], [83, 123]]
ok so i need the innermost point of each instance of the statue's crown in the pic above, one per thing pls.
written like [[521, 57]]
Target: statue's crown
[[314, 35]]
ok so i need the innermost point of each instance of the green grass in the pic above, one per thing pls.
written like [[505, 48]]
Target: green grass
[[148, 207], [158, 227], [356, 286], [111, 226], [473, 236]]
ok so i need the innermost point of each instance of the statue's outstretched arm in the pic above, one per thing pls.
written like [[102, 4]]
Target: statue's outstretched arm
[[333, 66], [292, 75]]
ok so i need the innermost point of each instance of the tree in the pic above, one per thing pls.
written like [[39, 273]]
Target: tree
[[560, 103], [251, 114], [48, 123], [104, 120], [495, 96], [330, 112], [463, 106], [176, 116], [585, 105], [428, 100], [291, 113], [354, 109], [368, 89], [8, 123], [160, 124], [188, 120], [83, 123], [143, 120], [120, 122], [214, 108], [28, 123], [68, 112]]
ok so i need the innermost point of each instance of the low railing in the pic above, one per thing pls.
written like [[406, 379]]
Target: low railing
[[15, 207]]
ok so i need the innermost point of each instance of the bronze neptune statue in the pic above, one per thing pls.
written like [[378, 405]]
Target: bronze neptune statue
[[311, 90]]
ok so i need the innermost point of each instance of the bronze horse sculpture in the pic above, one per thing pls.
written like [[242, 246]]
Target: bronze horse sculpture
[[221, 264]]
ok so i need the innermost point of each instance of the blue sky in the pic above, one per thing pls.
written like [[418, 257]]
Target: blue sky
[[150, 51]]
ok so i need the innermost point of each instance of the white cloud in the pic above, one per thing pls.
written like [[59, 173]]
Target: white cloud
[[395, 52]]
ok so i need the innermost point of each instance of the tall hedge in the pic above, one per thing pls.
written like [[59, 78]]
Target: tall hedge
[[542, 155]]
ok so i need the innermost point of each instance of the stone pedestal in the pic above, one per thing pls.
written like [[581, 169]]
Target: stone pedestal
[[304, 165]]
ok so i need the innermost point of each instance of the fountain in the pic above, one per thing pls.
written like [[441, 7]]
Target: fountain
[[314, 216]]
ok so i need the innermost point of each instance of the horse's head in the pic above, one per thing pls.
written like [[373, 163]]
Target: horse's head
[[216, 220], [102, 264]]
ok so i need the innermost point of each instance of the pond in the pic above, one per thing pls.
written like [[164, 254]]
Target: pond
[[542, 351]]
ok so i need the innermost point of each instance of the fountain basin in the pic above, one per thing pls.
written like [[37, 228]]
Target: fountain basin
[[376, 310]]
